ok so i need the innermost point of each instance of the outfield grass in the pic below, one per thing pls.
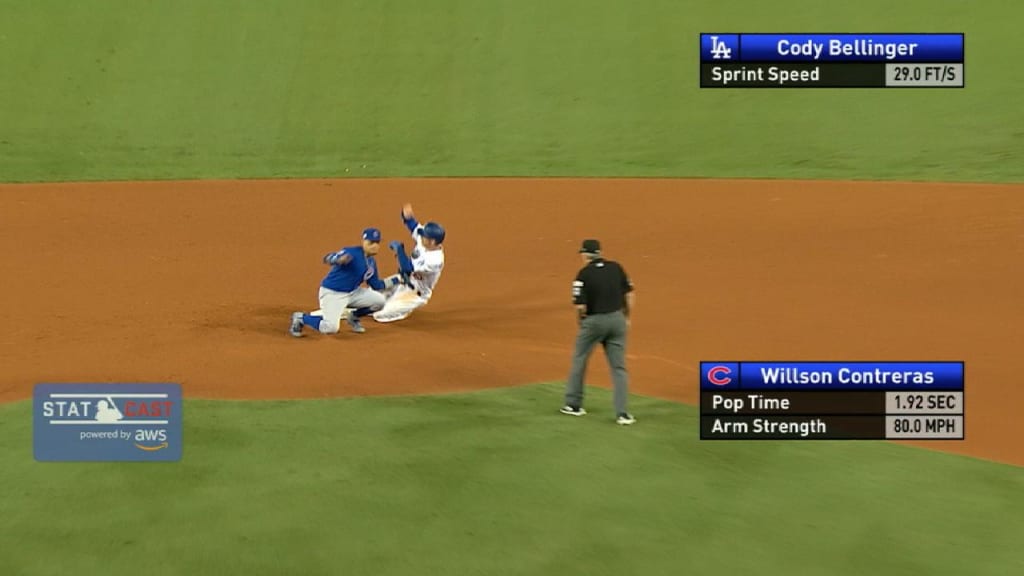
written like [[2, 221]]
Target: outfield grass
[[498, 482], [118, 89]]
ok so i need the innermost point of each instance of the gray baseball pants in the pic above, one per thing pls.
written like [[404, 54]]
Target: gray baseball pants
[[610, 331]]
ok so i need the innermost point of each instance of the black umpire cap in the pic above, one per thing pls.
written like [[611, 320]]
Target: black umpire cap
[[590, 246]]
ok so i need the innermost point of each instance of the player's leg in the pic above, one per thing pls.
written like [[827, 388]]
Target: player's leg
[[359, 312], [332, 308], [365, 302], [400, 305], [615, 352], [589, 334]]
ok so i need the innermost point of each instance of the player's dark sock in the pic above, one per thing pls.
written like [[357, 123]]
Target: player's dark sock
[[312, 321], [360, 312]]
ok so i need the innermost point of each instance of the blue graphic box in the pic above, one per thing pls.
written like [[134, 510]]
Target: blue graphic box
[[842, 47], [130, 422], [853, 375]]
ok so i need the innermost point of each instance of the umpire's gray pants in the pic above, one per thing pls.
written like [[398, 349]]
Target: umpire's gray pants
[[610, 331]]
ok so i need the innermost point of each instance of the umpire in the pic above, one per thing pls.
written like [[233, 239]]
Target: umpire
[[603, 296]]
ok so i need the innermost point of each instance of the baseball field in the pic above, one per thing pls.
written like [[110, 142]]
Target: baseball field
[[174, 172]]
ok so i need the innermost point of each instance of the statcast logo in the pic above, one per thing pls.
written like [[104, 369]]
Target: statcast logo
[[146, 417]]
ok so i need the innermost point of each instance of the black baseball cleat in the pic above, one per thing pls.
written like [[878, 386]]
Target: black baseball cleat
[[572, 410]]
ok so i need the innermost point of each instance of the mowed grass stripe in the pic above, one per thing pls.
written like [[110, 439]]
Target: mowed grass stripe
[[304, 88], [498, 482]]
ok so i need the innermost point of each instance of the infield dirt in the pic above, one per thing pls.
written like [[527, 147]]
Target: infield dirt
[[194, 282]]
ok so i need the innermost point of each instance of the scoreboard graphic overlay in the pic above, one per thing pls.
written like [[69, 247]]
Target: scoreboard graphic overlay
[[731, 60], [832, 400]]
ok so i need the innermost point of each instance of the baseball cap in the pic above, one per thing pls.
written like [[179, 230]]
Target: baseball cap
[[371, 234], [590, 246]]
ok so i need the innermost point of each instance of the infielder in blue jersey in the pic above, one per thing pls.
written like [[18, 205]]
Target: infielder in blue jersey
[[342, 289]]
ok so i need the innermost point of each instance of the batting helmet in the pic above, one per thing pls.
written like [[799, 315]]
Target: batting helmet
[[434, 231]]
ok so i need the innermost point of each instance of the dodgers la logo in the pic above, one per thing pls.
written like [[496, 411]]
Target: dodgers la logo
[[719, 50]]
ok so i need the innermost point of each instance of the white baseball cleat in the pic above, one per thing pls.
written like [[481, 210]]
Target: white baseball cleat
[[296, 329], [354, 323], [389, 318]]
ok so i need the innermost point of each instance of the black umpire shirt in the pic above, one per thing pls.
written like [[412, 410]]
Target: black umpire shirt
[[601, 286]]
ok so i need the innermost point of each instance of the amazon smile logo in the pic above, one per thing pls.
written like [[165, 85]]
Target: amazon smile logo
[[160, 446]]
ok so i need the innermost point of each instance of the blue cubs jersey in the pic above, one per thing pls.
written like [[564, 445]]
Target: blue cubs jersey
[[351, 275]]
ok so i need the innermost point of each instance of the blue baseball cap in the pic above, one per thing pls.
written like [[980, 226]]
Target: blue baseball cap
[[371, 234]]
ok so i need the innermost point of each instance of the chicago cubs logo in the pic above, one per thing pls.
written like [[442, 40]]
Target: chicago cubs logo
[[719, 375]]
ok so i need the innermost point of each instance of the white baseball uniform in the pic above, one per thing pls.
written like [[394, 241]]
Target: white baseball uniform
[[427, 266]]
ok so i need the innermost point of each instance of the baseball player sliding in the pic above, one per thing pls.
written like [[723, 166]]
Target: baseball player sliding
[[418, 272], [342, 289]]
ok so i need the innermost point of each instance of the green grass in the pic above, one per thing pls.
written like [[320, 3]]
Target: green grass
[[121, 89], [499, 483]]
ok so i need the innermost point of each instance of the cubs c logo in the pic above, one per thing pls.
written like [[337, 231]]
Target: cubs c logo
[[719, 375]]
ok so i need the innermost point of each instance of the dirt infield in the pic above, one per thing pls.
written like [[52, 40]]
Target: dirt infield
[[194, 283]]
